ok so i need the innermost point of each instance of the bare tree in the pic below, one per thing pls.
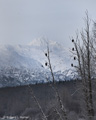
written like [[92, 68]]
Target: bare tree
[[63, 110], [84, 55], [44, 117]]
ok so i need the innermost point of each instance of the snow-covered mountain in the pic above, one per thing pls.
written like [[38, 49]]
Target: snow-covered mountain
[[10, 57], [25, 64], [60, 57]]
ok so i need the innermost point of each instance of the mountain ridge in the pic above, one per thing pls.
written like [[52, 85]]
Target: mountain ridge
[[28, 62]]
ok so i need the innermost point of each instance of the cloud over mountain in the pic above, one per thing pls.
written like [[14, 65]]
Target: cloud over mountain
[[26, 64]]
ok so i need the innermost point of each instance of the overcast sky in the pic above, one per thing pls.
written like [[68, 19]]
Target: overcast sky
[[21, 21]]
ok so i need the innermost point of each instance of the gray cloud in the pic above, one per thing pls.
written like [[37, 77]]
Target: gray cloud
[[23, 20]]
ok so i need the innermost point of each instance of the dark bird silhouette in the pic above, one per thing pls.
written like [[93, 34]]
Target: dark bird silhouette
[[72, 49], [46, 64], [72, 40], [74, 58], [72, 65], [46, 54]]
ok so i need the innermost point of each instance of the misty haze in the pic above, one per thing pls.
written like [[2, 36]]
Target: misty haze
[[47, 60]]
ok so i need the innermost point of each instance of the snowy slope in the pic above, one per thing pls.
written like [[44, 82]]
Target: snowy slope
[[10, 57], [26, 64], [60, 57]]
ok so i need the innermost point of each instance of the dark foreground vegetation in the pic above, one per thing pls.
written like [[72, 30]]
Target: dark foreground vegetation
[[18, 101]]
